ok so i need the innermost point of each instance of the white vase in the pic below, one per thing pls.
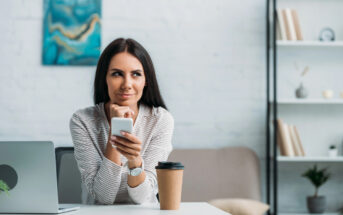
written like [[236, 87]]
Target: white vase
[[327, 94], [333, 152]]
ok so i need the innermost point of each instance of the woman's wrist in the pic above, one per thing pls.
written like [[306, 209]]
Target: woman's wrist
[[134, 163], [113, 154]]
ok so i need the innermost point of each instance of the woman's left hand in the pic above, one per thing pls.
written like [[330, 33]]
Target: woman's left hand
[[130, 147]]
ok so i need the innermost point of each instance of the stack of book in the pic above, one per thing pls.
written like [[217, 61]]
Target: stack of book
[[288, 27], [288, 140]]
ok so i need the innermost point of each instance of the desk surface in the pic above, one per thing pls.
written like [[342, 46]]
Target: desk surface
[[186, 208]]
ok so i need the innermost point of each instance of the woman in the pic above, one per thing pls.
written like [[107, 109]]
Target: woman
[[125, 86]]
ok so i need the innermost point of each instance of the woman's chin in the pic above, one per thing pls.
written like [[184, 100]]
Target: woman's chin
[[125, 103]]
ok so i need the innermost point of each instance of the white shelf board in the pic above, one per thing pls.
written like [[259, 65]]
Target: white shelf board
[[310, 159], [305, 43], [307, 214], [310, 101]]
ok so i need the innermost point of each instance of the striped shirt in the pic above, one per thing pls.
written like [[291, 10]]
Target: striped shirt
[[105, 182]]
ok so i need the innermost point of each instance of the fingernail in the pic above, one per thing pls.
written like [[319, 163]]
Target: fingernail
[[113, 137], [122, 132], [113, 146]]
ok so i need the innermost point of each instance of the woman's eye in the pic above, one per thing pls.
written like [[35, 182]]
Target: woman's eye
[[115, 74], [137, 74]]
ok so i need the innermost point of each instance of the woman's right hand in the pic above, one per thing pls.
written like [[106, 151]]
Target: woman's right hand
[[116, 111], [120, 111]]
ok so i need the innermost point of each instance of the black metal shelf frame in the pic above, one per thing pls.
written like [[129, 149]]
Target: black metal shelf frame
[[271, 115]]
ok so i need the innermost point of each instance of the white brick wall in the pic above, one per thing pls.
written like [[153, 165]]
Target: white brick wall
[[210, 62], [209, 57]]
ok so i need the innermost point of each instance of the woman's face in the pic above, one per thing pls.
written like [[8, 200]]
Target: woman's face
[[125, 79]]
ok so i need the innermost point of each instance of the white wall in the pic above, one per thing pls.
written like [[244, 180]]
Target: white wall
[[209, 57], [210, 62]]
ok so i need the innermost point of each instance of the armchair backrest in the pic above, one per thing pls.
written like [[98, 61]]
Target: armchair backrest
[[231, 172]]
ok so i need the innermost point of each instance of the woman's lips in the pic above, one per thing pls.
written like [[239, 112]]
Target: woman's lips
[[125, 95]]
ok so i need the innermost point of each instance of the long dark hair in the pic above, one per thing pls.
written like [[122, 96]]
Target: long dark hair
[[151, 93]]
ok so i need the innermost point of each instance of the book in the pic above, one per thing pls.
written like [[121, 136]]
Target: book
[[285, 144], [280, 137], [280, 144], [281, 25], [299, 141], [288, 143], [288, 36], [296, 25], [289, 25], [295, 143]]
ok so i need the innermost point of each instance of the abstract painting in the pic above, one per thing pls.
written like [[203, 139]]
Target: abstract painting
[[71, 32]]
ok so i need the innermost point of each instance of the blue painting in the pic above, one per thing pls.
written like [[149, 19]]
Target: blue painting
[[71, 32]]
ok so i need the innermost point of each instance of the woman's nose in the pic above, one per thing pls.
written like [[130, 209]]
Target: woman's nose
[[127, 83]]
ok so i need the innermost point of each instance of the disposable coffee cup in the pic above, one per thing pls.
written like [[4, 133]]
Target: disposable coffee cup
[[169, 179]]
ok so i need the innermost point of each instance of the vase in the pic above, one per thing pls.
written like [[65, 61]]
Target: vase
[[315, 204], [333, 152], [301, 92], [327, 94]]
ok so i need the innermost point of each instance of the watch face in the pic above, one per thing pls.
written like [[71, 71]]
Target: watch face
[[136, 171], [327, 34]]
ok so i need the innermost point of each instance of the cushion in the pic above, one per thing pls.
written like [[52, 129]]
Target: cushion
[[240, 206]]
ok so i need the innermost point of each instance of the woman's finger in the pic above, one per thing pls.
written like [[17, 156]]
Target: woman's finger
[[126, 143], [128, 115], [113, 110], [128, 156], [130, 137], [132, 147], [124, 109], [121, 111], [126, 149]]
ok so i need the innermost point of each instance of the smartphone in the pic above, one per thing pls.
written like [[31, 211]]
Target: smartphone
[[121, 124]]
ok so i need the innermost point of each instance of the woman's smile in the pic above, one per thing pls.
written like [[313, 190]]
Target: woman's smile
[[125, 95]]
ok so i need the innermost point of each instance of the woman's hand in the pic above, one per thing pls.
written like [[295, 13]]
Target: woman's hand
[[120, 111], [130, 147], [115, 110]]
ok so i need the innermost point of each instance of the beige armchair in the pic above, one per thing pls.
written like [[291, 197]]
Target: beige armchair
[[228, 178]]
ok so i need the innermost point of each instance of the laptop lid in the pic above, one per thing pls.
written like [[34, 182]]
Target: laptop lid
[[29, 168]]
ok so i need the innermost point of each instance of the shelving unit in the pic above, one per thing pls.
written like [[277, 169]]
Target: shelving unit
[[277, 103]]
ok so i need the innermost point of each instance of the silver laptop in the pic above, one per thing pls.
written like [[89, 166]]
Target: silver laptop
[[29, 169]]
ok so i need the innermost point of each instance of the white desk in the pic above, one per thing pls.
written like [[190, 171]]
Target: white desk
[[186, 208]]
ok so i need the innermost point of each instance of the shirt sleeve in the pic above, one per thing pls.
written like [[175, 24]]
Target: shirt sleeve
[[158, 150], [101, 177]]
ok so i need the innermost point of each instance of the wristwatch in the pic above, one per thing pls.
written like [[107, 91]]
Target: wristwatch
[[137, 171]]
